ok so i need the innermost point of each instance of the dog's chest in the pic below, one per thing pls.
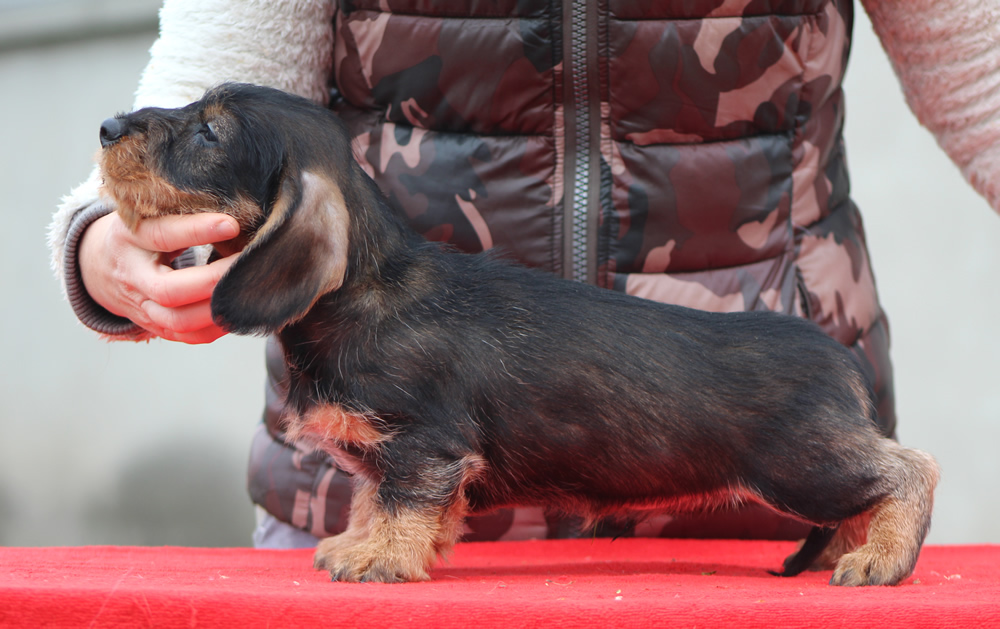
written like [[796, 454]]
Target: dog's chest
[[337, 431]]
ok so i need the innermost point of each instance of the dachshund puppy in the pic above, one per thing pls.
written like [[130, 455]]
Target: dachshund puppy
[[449, 383]]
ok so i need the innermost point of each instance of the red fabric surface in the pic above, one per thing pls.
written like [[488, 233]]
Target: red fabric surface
[[622, 583]]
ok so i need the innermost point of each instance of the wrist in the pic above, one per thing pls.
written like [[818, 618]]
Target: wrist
[[85, 307]]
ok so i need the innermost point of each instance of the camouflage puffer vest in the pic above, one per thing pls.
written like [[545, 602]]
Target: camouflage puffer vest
[[684, 151]]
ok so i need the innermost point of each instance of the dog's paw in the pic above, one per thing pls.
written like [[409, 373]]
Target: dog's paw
[[356, 561], [851, 534], [871, 565]]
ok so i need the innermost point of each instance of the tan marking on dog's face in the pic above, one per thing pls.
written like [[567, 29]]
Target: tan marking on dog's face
[[215, 113], [139, 192]]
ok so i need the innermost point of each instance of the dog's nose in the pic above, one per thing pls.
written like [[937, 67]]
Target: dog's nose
[[112, 130]]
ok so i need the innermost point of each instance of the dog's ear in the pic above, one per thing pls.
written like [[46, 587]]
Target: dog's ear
[[297, 255]]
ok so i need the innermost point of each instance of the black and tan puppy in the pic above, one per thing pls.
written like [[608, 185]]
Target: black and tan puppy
[[449, 383]]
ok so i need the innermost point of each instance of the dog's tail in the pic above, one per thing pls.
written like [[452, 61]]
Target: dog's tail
[[817, 540]]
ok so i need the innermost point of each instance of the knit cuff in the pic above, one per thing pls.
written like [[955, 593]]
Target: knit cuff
[[88, 311]]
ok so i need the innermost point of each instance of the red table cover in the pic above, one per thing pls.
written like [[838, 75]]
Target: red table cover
[[565, 583]]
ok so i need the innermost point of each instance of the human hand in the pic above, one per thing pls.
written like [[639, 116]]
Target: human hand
[[128, 273]]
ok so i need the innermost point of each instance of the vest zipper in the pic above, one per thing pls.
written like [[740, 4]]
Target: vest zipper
[[580, 164], [581, 138]]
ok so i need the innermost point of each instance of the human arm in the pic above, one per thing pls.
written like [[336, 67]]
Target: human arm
[[945, 55]]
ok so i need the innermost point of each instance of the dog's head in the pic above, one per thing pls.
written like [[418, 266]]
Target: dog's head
[[275, 162]]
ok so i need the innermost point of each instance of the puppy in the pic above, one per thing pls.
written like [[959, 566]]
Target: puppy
[[449, 383]]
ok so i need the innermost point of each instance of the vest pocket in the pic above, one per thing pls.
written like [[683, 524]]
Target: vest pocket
[[684, 208]]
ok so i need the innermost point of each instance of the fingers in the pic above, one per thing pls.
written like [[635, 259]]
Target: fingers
[[191, 323], [125, 273], [177, 303], [178, 232], [174, 288]]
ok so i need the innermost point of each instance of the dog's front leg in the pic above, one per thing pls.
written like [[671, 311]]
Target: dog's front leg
[[381, 543], [391, 541]]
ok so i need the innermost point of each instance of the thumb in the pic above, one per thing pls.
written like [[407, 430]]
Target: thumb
[[178, 232]]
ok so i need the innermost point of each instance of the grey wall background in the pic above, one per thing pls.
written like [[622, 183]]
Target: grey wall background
[[146, 444]]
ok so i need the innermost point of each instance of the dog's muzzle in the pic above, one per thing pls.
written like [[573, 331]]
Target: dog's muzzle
[[112, 130]]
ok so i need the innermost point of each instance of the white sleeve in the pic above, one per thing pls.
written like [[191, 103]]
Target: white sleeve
[[947, 58]]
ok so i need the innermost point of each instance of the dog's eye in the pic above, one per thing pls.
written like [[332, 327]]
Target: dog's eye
[[207, 133]]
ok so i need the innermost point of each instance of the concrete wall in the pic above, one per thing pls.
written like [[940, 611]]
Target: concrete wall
[[101, 443], [146, 444]]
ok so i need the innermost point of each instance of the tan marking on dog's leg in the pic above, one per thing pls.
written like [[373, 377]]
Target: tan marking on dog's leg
[[398, 545], [898, 524], [453, 518], [358, 525], [392, 548], [851, 534]]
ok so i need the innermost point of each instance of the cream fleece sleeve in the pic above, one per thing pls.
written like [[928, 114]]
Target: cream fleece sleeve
[[286, 44], [946, 54]]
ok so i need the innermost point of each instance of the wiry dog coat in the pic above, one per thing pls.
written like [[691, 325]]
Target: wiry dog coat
[[449, 383]]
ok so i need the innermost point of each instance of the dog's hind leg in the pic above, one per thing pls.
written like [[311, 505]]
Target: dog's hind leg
[[851, 534], [898, 522], [812, 547]]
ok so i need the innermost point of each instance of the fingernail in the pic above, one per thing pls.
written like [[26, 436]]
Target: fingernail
[[227, 230]]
